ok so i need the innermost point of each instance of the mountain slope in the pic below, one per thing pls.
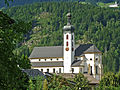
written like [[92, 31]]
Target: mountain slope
[[23, 2]]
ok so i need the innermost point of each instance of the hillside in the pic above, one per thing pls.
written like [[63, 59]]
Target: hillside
[[24, 2], [100, 26]]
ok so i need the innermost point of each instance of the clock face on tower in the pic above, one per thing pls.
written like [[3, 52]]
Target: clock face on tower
[[67, 49]]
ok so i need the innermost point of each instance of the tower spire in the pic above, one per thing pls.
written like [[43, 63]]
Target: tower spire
[[69, 19]]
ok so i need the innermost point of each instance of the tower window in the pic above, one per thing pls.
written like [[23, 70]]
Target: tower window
[[51, 59], [72, 37], [72, 70], [66, 36], [66, 43], [45, 59], [72, 49], [72, 43], [57, 59], [39, 59]]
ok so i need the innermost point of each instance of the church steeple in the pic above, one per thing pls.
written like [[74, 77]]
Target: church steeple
[[69, 19], [68, 44], [68, 27]]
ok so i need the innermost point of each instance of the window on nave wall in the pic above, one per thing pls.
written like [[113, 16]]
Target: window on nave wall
[[48, 70], [53, 70], [41, 70]]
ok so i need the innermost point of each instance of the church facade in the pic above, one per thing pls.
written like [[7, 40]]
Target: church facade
[[69, 58]]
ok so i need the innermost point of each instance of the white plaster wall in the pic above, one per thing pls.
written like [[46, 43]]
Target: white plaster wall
[[77, 69], [67, 54], [96, 62], [91, 62], [50, 69], [34, 60]]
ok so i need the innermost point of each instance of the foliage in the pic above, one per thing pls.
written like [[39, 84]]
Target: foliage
[[110, 81], [23, 2], [11, 76], [36, 83], [45, 87], [58, 83], [51, 83], [81, 82]]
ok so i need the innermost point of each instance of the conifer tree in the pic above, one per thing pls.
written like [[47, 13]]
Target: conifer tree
[[45, 86]]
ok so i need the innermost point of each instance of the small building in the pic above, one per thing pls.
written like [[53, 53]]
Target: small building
[[33, 73], [69, 58], [114, 5]]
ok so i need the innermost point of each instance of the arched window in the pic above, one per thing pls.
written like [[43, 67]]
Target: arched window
[[90, 70], [67, 36], [48, 70], [41, 70], [59, 70], [96, 69], [53, 70], [66, 43]]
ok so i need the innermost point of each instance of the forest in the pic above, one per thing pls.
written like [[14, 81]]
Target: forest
[[40, 24], [23, 2]]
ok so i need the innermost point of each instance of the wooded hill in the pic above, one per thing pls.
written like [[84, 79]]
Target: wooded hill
[[23, 2], [93, 24]]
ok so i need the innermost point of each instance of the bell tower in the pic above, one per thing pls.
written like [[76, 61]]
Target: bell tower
[[68, 32]]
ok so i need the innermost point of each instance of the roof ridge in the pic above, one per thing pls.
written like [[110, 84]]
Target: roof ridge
[[47, 46]]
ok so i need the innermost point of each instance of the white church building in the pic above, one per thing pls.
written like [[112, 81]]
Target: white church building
[[69, 58]]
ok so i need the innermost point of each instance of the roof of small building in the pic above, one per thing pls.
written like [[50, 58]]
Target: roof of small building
[[80, 49], [57, 51], [47, 64], [92, 49], [77, 63], [33, 72]]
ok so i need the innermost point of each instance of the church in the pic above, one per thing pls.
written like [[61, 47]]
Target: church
[[69, 58]]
